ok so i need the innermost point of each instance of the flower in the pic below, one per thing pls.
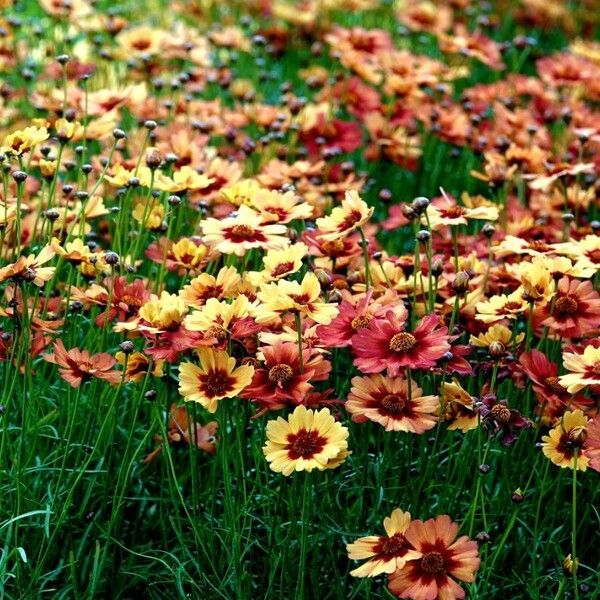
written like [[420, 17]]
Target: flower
[[293, 296], [77, 366], [499, 418], [242, 232], [139, 366], [280, 380], [307, 440], [354, 212], [29, 268], [575, 311], [23, 140], [386, 345], [499, 335], [215, 378], [501, 307], [564, 442], [459, 407], [584, 369], [386, 553], [206, 286], [442, 557], [387, 401]]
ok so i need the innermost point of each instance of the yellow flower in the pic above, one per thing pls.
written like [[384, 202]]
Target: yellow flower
[[584, 369], [184, 179], [565, 441], [139, 366], [501, 307], [458, 407], [75, 252], [281, 208], [163, 313], [242, 232], [65, 130], [206, 286], [536, 281], [281, 263], [307, 440], [386, 553], [242, 192], [354, 212], [22, 140], [216, 378], [27, 268], [217, 314], [291, 295], [189, 254], [149, 216], [499, 335]]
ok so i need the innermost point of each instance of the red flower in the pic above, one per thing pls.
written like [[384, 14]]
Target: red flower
[[385, 344], [553, 399], [335, 135], [442, 558], [280, 382], [576, 309], [353, 316]]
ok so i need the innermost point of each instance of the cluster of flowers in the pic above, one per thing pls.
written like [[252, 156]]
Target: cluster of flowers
[[255, 269]]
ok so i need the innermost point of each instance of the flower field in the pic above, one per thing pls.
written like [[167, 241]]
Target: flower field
[[299, 299]]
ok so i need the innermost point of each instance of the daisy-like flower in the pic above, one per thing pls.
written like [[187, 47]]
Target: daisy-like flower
[[566, 440], [354, 212], [293, 296], [280, 380], [552, 398], [584, 369], [281, 263], [385, 553], [77, 366], [459, 407], [387, 401], [206, 286], [500, 307], [446, 211], [215, 378], [442, 558], [498, 418], [356, 314], [275, 207], [23, 140], [576, 309], [386, 345], [28, 268], [307, 440], [138, 366], [497, 339], [242, 232]]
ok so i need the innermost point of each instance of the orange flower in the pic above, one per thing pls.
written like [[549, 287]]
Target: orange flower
[[78, 365]]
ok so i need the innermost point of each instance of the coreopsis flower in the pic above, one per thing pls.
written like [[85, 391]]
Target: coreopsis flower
[[458, 407], [66, 130], [385, 553], [74, 252], [575, 310], [138, 366], [385, 344], [241, 192], [442, 558], [354, 212], [275, 207], [23, 140], [149, 213], [497, 340], [206, 286], [180, 424], [162, 313], [356, 314], [215, 378], [389, 402], [501, 306], [280, 381], [78, 366], [28, 268], [445, 210], [301, 297], [307, 440], [566, 439], [584, 369], [553, 399], [281, 263], [500, 419], [536, 281], [242, 232], [184, 179]]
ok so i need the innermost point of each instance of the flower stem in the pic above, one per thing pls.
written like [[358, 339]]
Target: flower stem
[[574, 527]]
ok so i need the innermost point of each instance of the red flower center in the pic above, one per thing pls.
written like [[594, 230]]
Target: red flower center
[[594, 256], [433, 563], [539, 246], [244, 233], [393, 546], [566, 305], [402, 342], [282, 269], [350, 220], [361, 321], [393, 404], [305, 444], [216, 383], [280, 374], [216, 332], [453, 212], [333, 248]]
